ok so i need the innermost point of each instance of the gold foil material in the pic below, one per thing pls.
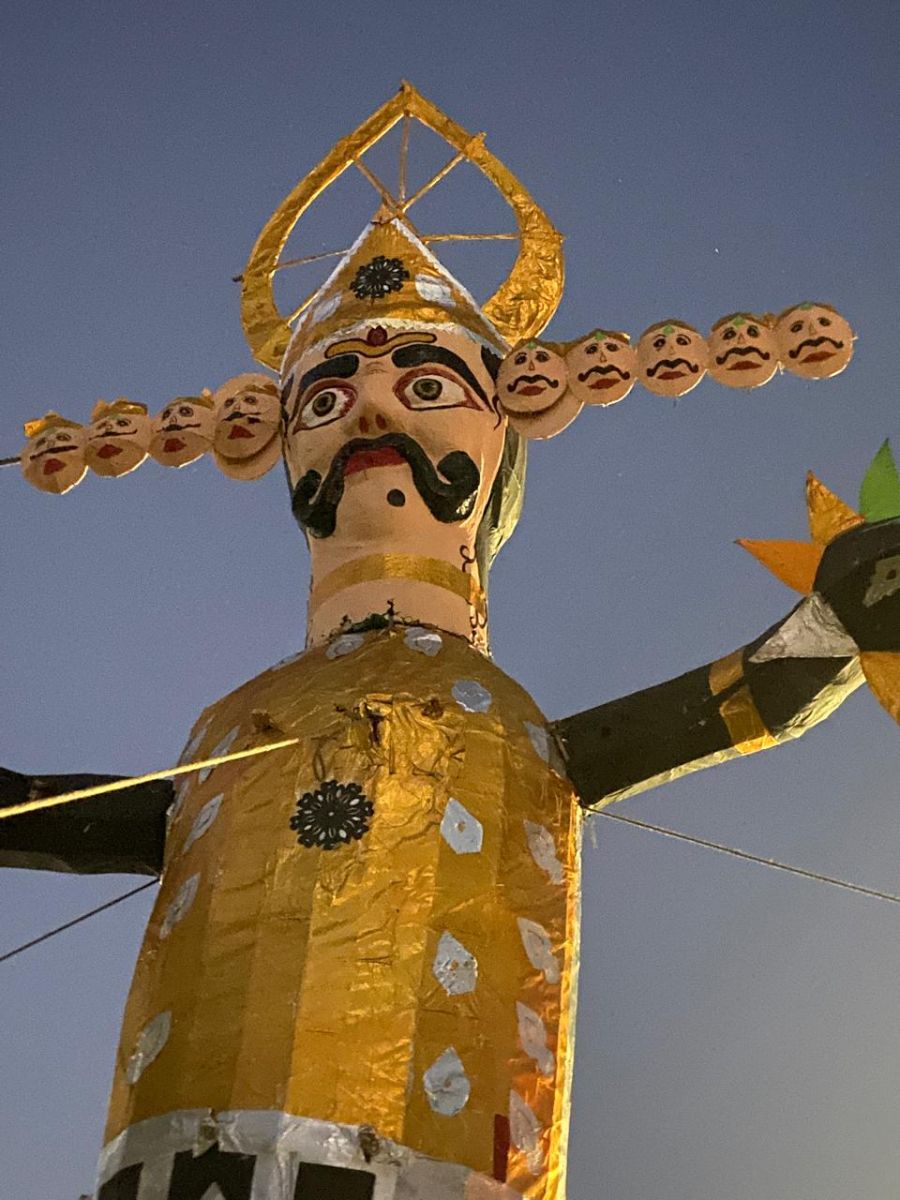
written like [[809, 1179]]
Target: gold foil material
[[400, 566], [829, 515], [742, 719], [726, 671], [301, 979], [51, 421], [519, 309], [882, 672]]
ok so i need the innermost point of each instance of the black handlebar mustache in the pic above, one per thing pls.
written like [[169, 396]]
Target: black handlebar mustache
[[314, 502]]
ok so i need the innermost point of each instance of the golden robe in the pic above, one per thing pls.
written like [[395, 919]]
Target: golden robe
[[364, 948]]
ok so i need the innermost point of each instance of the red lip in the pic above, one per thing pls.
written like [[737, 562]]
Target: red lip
[[52, 465], [671, 374], [530, 389], [601, 384], [109, 451], [238, 431], [744, 364], [173, 445], [364, 460], [818, 356]]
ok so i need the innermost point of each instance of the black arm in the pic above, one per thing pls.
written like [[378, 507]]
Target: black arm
[[769, 691], [728, 708], [121, 832]]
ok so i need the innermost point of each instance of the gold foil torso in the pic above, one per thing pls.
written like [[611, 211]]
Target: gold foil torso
[[378, 926]]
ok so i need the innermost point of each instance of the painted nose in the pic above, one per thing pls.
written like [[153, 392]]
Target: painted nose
[[372, 422]]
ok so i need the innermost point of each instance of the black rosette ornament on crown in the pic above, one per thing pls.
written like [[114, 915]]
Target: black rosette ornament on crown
[[334, 815], [378, 278]]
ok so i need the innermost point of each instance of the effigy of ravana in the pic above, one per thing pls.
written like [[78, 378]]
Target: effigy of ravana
[[359, 977]]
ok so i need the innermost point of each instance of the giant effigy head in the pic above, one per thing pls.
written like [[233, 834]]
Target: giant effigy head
[[391, 417]]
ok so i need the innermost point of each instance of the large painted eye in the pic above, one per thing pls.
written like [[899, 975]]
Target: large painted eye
[[328, 404], [611, 347], [542, 356], [591, 348], [519, 359], [122, 423], [683, 340], [752, 331], [63, 437], [729, 333], [185, 410], [824, 321], [796, 327], [658, 343], [433, 391]]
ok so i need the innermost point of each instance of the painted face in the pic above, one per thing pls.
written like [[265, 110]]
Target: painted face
[[531, 378], [743, 352], [182, 432], [550, 421], [391, 429], [248, 422], [815, 342], [117, 442], [602, 368], [53, 460], [672, 358]]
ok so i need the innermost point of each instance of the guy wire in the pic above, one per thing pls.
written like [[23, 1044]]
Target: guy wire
[[744, 854], [77, 920]]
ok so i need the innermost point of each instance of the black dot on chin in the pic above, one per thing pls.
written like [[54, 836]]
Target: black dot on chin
[[396, 498]]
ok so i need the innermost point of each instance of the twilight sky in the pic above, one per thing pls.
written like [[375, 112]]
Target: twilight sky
[[739, 1030]]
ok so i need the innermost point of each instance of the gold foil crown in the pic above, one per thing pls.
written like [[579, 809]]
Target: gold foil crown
[[128, 407], [390, 277], [519, 309], [52, 420]]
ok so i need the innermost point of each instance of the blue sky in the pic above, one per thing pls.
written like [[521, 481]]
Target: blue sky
[[738, 1029]]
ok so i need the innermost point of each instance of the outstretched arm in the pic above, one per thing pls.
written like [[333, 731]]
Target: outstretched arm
[[122, 832], [771, 690]]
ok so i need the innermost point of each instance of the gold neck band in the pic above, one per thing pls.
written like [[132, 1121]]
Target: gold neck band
[[400, 566]]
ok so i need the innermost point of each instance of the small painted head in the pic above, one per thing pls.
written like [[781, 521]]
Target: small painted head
[[532, 378], [814, 340], [672, 358], [118, 437], [743, 351], [602, 367], [53, 457], [183, 431], [248, 420]]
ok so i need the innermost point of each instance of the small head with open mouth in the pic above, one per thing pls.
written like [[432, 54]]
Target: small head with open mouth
[[248, 420], [118, 437], [672, 358], [602, 367], [743, 352], [532, 378], [815, 341], [183, 431], [53, 457]]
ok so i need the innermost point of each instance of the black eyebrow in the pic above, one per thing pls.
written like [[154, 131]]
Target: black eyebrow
[[415, 356], [342, 366]]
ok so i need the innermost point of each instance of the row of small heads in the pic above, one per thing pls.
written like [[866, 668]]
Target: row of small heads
[[240, 424], [543, 385]]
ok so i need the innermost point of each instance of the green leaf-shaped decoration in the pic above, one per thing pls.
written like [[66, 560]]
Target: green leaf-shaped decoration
[[879, 493]]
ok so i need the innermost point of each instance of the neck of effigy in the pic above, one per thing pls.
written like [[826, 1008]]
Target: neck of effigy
[[427, 577]]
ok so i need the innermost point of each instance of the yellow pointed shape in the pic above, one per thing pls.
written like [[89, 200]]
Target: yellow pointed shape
[[521, 306], [882, 671], [829, 516], [794, 563]]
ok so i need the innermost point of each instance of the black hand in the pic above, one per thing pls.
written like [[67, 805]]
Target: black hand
[[859, 576]]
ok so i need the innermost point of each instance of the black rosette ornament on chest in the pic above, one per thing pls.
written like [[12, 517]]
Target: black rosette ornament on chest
[[333, 815]]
